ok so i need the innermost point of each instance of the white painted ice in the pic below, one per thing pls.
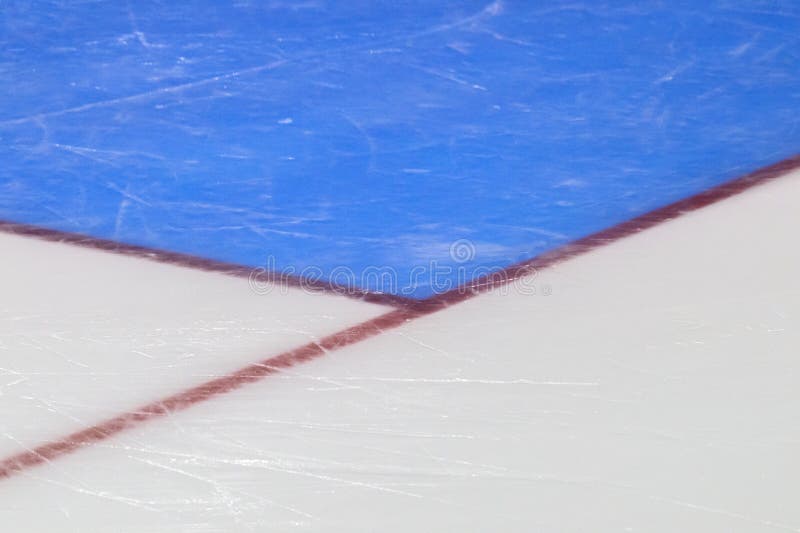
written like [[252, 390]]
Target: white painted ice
[[655, 389], [85, 334]]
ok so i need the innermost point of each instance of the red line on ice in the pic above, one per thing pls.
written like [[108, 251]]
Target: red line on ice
[[198, 263], [408, 310]]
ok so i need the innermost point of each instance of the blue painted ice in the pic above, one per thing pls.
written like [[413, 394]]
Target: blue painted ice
[[349, 135]]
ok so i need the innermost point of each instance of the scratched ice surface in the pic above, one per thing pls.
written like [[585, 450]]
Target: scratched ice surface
[[355, 134], [644, 394], [647, 385]]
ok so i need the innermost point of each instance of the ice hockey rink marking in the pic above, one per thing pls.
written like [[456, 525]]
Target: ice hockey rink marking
[[255, 372], [259, 275]]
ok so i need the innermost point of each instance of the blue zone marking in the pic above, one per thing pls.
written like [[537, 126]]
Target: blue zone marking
[[349, 135]]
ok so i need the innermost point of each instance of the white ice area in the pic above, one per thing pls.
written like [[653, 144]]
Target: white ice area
[[655, 389], [85, 335]]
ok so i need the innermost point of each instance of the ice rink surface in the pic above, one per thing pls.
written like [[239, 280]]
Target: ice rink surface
[[436, 266]]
